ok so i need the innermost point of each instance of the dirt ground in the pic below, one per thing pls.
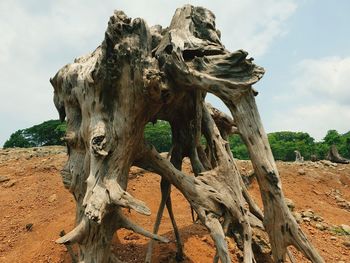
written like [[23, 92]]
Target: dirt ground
[[35, 207]]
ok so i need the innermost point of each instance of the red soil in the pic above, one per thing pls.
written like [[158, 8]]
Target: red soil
[[39, 198]]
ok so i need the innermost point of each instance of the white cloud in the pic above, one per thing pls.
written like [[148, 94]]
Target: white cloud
[[327, 78], [254, 25], [320, 98], [316, 119], [37, 38]]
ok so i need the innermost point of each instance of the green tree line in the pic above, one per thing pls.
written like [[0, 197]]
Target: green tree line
[[283, 144], [47, 133]]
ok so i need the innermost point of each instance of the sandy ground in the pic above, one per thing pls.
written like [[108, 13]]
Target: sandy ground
[[35, 207]]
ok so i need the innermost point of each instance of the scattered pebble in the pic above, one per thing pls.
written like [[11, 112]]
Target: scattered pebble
[[52, 198], [307, 219], [29, 227], [132, 236], [289, 203], [320, 226], [297, 217], [308, 213], [9, 183], [346, 244], [318, 218], [301, 172], [346, 228], [4, 178]]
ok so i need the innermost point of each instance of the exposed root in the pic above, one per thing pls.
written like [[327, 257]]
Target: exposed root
[[122, 198], [165, 201], [69, 249], [128, 224], [77, 235], [139, 75], [111, 193]]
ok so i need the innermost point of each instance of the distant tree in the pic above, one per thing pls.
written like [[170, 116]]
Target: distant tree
[[332, 137], [17, 139], [341, 141], [321, 149], [159, 134], [346, 151], [283, 144], [47, 133], [238, 148]]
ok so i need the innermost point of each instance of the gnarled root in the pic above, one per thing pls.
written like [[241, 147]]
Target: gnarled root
[[77, 235], [82, 230], [279, 223], [204, 193], [128, 224], [165, 201], [99, 195]]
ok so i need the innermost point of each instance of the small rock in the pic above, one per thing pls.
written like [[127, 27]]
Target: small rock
[[307, 219], [337, 191], [339, 199], [4, 178], [318, 218], [297, 216], [131, 236], [52, 198], [346, 228], [320, 226], [289, 203], [346, 244], [333, 238], [9, 184], [308, 213], [301, 172], [316, 192], [29, 227]]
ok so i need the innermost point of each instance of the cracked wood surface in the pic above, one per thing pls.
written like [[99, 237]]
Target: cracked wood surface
[[138, 75]]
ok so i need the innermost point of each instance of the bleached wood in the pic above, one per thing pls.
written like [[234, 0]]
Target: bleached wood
[[138, 75], [334, 156]]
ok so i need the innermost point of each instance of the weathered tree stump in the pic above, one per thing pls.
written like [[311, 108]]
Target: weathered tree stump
[[334, 156], [141, 74], [298, 157]]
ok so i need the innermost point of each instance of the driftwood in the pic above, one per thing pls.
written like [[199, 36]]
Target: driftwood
[[298, 157], [141, 74], [334, 156]]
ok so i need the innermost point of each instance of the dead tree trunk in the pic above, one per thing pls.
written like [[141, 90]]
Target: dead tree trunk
[[107, 98], [298, 157], [139, 75], [334, 156]]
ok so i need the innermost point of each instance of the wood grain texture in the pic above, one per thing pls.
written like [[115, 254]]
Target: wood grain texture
[[140, 74]]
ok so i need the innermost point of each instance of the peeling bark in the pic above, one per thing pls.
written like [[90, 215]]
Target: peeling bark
[[138, 75]]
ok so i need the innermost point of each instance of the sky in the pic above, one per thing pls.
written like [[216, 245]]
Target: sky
[[303, 45]]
